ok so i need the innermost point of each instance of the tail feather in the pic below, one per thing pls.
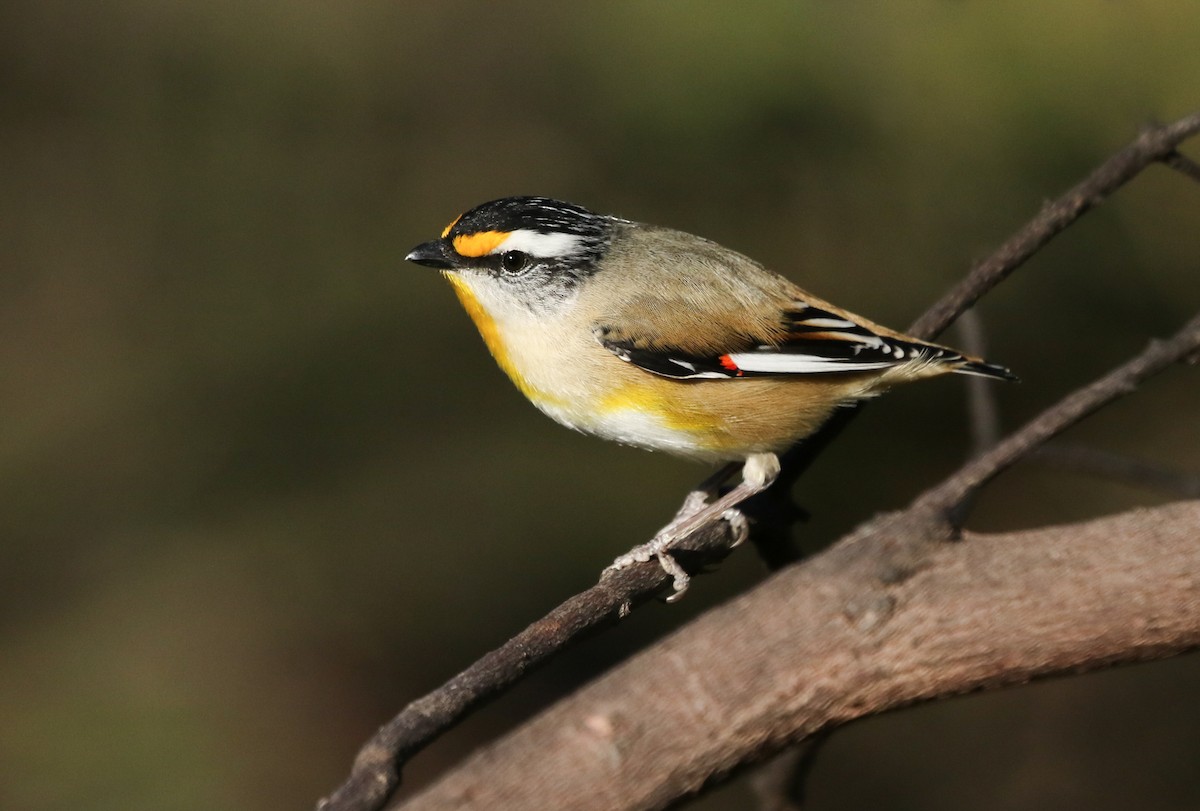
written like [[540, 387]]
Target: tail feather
[[982, 368], [957, 362]]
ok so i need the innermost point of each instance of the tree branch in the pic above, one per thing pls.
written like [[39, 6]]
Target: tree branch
[[1155, 144], [822, 644], [982, 411], [1118, 383], [779, 783], [1183, 164], [376, 771], [375, 774], [949, 503], [898, 547], [909, 548]]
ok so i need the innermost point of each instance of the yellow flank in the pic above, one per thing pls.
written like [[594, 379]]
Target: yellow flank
[[649, 398], [453, 222], [495, 344], [480, 244]]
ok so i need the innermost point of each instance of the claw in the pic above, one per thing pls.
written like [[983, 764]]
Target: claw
[[680, 578], [738, 525]]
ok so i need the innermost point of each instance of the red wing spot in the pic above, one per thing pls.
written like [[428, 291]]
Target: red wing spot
[[727, 363]]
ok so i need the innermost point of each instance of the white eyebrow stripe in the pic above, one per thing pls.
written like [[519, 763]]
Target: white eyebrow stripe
[[540, 245]]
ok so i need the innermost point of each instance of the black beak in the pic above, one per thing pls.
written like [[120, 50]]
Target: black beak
[[433, 254]]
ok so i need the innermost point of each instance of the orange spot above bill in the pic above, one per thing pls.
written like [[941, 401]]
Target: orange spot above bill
[[453, 222], [480, 244]]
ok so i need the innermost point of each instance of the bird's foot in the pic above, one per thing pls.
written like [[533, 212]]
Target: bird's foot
[[759, 470], [656, 548], [679, 528]]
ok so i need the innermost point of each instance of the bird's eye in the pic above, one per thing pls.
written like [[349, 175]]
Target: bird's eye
[[513, 261]]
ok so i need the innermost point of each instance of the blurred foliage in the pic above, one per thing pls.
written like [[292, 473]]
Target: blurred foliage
[[260, 484]]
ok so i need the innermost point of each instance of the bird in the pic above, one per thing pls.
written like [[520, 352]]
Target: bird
[[667, 341]]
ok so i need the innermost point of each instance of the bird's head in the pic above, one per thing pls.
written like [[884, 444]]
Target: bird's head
[[532, 250]]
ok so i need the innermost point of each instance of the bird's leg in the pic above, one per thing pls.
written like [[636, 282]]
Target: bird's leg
[[758, 472], [697, 499]]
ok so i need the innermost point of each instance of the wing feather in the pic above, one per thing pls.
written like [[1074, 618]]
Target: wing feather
[[810, 341], [732, 318]]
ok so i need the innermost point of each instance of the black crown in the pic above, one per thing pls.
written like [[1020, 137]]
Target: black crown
[[542, 214]]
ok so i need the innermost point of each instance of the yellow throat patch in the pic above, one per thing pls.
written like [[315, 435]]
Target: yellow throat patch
[[490, 333]]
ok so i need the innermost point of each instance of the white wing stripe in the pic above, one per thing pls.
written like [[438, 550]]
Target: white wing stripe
[[780, 363]]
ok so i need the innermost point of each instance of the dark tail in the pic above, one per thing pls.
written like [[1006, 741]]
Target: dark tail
[[959, 363], [985, 369]]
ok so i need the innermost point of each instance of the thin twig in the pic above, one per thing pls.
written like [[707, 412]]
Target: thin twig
[[375, 774], [780, 783], [984, 415], [784, 660], [982, 411], [376, 771], [1155, 144], [1121, 381], [1109, 465], [1182, 163], [894, 547], [772, 782]]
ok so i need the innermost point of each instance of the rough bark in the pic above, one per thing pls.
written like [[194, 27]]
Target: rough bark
[[822, 644]]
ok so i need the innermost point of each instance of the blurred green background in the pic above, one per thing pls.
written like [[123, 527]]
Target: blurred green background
[[260, 484]]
